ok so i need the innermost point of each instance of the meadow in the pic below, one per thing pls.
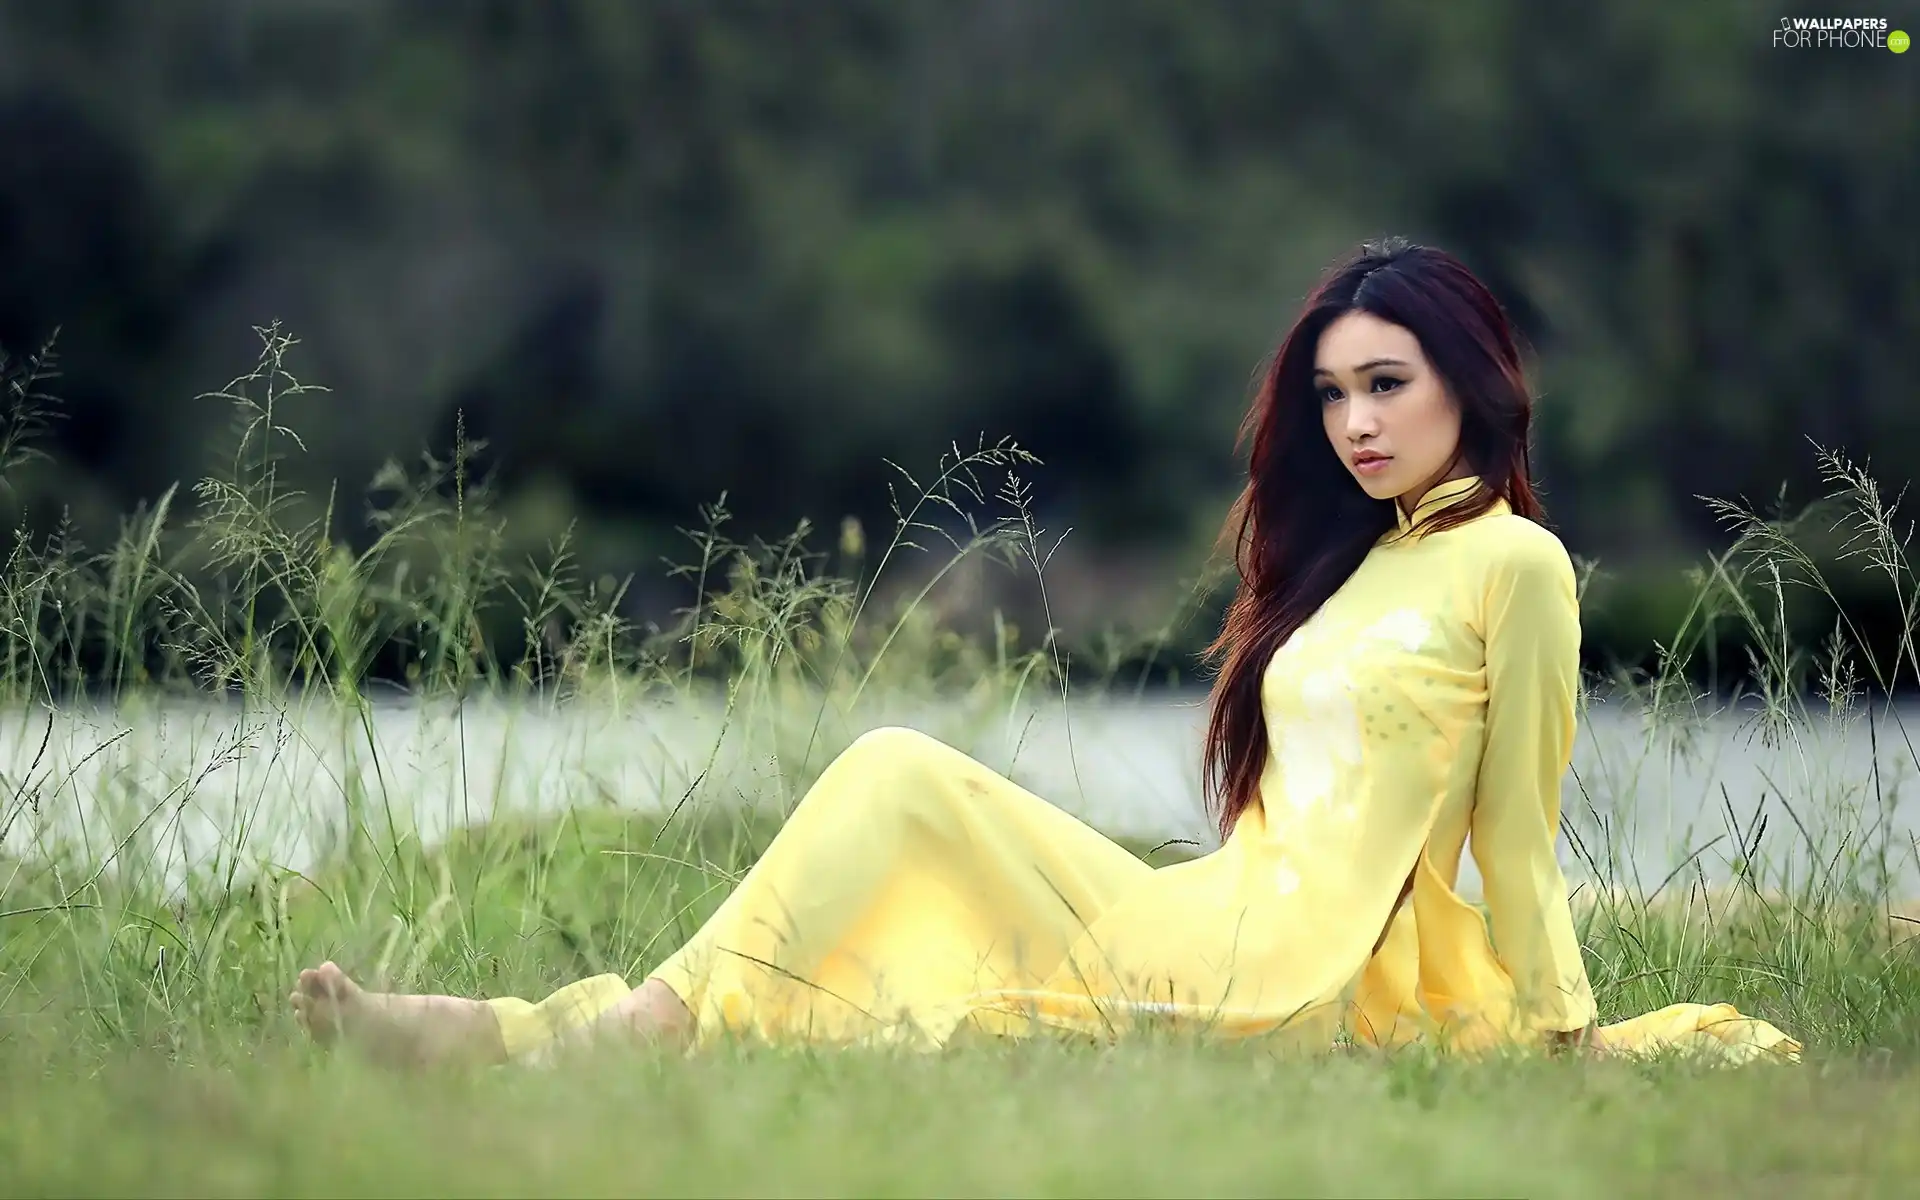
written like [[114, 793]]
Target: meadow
[[145, 1042]]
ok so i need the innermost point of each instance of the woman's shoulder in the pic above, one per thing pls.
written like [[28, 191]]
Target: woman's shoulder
[[1508, 544]]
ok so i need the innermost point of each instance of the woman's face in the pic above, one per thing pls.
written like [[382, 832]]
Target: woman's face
[[1386, 411]]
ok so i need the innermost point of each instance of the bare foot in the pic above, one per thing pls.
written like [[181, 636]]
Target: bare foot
[[395, 1029], [325, 1001]]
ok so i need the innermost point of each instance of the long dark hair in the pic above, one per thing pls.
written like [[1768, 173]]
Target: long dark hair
[[1303, 524]]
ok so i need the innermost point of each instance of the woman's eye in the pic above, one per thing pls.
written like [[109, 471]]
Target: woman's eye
[[1329, 395]]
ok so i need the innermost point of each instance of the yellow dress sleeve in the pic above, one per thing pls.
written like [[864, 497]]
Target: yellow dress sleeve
[[1532, 631]]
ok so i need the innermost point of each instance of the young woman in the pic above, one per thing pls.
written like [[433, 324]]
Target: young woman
[[1398, 678]]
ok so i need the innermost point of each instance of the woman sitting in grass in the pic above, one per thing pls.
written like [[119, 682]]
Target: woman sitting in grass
[[1398, 677]]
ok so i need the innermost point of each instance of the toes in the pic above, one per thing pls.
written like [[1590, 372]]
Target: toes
[[324, 982]]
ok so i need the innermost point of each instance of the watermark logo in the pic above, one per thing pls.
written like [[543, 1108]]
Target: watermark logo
[[1839, 33]]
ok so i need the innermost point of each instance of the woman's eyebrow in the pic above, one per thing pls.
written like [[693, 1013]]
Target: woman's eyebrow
[[1368, 365]]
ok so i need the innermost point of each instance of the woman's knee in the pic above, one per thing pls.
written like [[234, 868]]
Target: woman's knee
[[894, 746], [895, 768]]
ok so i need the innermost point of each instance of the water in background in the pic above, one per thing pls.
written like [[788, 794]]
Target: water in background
[[201, 785]]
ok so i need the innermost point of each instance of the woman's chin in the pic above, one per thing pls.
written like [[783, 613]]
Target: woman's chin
[[1379, 486]]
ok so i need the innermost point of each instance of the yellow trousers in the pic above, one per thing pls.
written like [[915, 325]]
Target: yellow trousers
[[911, 881]]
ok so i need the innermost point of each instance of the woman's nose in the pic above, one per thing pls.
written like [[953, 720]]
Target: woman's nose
[[1362, 419]]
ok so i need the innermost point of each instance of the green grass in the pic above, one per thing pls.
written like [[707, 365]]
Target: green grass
[[144, 1040], [1039, 1120]]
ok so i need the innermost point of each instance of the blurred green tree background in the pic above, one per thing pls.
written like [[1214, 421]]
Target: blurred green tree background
[[651, 250]]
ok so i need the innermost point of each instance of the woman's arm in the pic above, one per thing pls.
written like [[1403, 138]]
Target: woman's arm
[[1531, 621]]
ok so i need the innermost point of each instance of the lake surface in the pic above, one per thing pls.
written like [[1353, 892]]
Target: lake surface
[[205, 783]]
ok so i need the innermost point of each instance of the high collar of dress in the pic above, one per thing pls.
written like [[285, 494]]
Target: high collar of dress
[[1437, 497]]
